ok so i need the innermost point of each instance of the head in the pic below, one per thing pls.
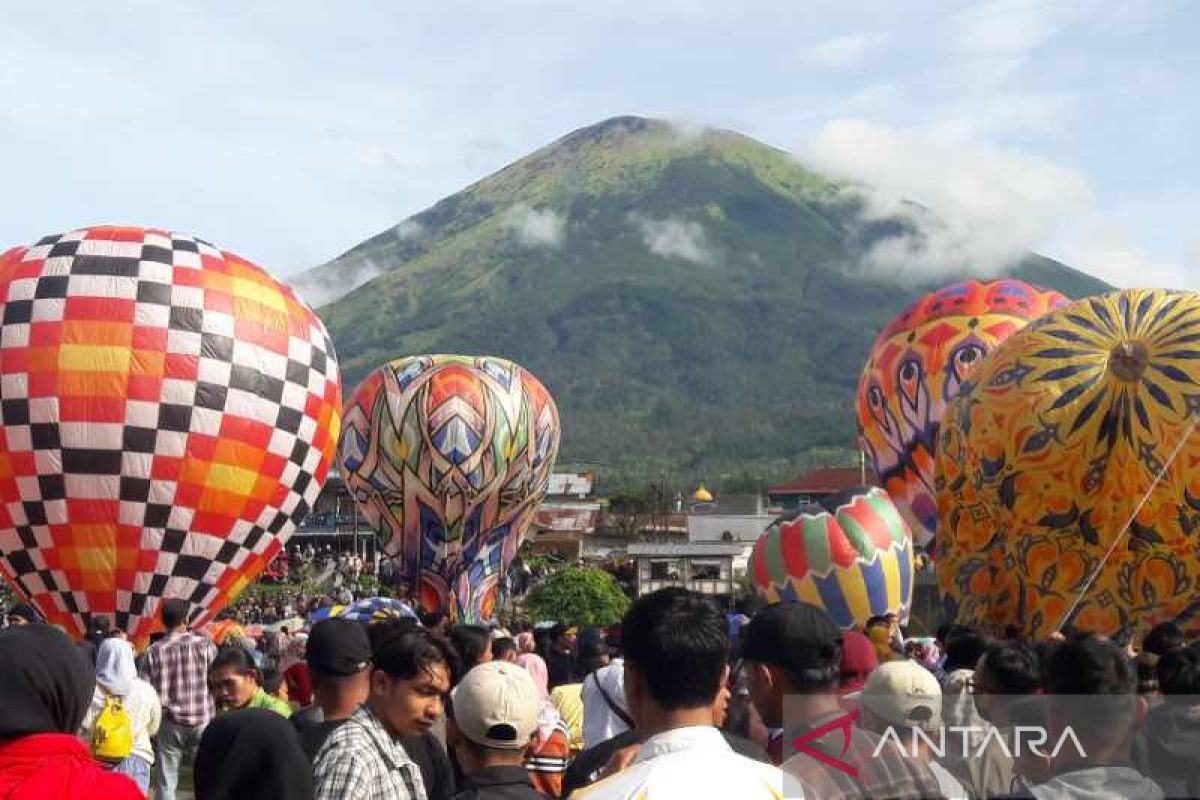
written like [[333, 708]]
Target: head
[[496, 709], [526, 643], [48, 682], [410, 676], [964, 647], [251, 753], [859, 660], [504, 649], [1008, 669], [1178, 675], [274, 684], [115, 666], [1163, 638], [790, 649], [562, 638], [233, 678], [99, 626], [676, 648], [174, 613], [25, 614], [1106, 720], [472, 643], [902, 695]]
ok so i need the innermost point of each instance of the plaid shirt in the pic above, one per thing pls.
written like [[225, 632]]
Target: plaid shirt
[[177, 668], [890, 774], [361, 760]]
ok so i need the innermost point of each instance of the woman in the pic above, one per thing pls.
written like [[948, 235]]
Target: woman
[[116, 676], [237, 683], [252, 753], [546, 760], [46, 684]]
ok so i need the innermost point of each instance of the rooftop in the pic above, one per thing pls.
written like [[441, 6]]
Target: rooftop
[[692, 549], [824, 480]]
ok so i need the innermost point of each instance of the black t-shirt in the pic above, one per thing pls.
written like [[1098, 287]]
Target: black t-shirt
[[424, 749], [560, 667], [499, 783]]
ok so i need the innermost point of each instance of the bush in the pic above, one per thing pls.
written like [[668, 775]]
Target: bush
[[581, 596]]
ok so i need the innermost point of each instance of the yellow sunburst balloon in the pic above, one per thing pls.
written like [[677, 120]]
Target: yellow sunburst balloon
[[1046, 459]]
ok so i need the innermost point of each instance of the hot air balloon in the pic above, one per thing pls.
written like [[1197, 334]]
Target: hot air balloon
[[854, 560], [449, 457], [168, 413], [370, 610], [916, 366], [1070, 471]]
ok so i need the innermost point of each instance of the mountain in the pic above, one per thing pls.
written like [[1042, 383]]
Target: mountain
[[694, 300]]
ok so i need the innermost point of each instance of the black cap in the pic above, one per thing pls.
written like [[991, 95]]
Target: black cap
[[26, 612], [794, 636], [338, 648]]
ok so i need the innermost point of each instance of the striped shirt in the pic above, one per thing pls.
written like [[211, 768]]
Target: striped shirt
[[362, 761], [177, 668], [547, 762]]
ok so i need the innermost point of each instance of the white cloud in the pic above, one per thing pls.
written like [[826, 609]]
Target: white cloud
[[535, 227], [1103, 246], [987, 205], [409, 229], [320, 288], [1005, 27], [844, 51], [675, 238]]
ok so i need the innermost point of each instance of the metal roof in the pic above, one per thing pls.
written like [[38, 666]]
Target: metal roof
[[692, 549]]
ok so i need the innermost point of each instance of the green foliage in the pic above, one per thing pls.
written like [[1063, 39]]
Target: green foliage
[[735, 361], [583, 596]]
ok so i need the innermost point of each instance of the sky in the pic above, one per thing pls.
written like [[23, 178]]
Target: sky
[[290, 131]]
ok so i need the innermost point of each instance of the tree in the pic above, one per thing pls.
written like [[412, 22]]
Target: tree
[[581, 596]]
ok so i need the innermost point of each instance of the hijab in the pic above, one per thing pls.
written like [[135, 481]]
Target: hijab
[[526, 642], [47, 682], [881, 639], [115, 670], [252, 753], [548, 716], [859, 660]]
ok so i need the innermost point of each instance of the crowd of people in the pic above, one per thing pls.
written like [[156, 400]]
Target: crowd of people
[[681, 700]]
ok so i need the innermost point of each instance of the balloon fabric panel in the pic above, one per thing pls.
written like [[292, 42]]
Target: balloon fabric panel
[[448, 457], [855, 562], [916, 366], [169, 413], [1046, 455]]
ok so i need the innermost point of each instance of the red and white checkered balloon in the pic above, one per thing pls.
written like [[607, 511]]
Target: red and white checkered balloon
[[168, 414]]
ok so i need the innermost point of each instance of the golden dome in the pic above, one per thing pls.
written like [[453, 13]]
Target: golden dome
[[702, 495]]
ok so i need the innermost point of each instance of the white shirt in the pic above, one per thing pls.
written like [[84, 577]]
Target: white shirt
[[692, 764], [145, 714]]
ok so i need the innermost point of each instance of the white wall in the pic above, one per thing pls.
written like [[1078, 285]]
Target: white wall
[[710, 527]]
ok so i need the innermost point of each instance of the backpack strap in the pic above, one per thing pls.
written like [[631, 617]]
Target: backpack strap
[[621, 713]]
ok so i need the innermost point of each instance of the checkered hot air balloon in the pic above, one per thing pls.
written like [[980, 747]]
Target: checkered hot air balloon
[[449, 457], [915, 369], [168, 414], [854, 560]]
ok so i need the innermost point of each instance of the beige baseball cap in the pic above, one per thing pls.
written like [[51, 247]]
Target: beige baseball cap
[[497, 705], [904, 693]]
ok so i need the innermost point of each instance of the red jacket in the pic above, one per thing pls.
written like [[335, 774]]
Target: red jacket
[[58, 765]]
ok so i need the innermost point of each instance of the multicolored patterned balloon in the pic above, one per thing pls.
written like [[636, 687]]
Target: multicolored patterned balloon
[[449, 458], [1046, 456], [916, 367], [856, 562], [169, 413], [370, 609]]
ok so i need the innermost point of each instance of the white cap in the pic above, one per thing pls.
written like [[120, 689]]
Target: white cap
[[904, 693], [497, 705]]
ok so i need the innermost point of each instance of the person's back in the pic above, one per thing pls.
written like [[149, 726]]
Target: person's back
[[117, 681], [252, 753], [676, 651], [1167, 748]]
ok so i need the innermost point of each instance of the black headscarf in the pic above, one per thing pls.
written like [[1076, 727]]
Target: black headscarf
[[252, 753], [46, 683]]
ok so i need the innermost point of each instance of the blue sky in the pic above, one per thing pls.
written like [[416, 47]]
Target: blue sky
[[290, 131]]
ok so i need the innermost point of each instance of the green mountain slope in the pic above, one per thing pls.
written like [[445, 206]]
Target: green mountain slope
[[692, 300]]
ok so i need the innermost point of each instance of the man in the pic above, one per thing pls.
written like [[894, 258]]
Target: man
[[794, 650], [1167, 748], [24, 614], [1163, 638], [1103, 722], [338, 655], [504, 649], [1008, 671], [560, 660], [903, 696], [177, 667], [676, 652], [365, 758], [496, 708]]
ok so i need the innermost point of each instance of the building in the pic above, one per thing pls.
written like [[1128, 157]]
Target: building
[[817, 485], [733, 518], [707, 568], [567, 517]]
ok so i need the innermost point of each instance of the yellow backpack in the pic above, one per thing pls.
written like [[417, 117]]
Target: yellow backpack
[[112, 737]]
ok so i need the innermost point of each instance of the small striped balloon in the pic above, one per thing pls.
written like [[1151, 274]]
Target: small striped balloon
[[855, 563]]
